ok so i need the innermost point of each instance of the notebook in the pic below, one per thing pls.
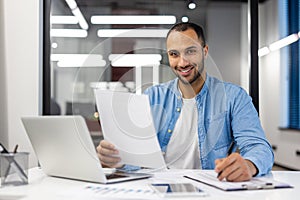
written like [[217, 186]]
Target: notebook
[[64, 148]]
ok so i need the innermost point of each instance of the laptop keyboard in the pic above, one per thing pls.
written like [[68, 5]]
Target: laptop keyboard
[[115, 175]]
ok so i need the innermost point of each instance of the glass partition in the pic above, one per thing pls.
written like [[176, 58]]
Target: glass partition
[[120, 45]]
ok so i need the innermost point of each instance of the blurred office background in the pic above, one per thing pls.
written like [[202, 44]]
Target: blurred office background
[[85, 52]]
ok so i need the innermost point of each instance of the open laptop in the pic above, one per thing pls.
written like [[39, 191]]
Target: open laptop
[[64, 148]]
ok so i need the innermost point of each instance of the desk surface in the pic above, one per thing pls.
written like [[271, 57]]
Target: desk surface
[[43, 187]]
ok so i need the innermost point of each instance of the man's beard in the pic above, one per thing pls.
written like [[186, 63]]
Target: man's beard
[[196, 76]]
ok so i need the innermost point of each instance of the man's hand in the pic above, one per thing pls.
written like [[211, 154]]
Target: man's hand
[[235, 168], [108, 155]]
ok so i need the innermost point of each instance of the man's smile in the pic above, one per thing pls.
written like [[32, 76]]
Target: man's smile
[[185, 71]]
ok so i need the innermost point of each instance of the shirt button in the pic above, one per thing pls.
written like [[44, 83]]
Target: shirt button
[[178, 97], [178, 109], [169, 130]]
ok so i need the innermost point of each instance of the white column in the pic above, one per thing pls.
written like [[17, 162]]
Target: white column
[[21, 33], [3, 81]]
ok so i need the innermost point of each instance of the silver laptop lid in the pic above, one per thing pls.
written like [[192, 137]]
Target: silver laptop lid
[[64, 148]]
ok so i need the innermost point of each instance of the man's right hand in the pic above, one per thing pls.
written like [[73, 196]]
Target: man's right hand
[[108, 155]]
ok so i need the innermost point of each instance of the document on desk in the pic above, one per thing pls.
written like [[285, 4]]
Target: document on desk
[[209, 177], [96, 191], [126, 121]]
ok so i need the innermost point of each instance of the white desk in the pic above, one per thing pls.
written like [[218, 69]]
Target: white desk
[[43, 187]]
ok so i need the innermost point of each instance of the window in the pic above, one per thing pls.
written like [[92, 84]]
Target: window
[[290, 26], [81, 51]]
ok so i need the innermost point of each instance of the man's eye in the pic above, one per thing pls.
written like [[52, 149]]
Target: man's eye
[[191, 51], [173, 54]]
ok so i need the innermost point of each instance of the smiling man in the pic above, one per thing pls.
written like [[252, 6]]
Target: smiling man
[[198, 117], [186, 52]]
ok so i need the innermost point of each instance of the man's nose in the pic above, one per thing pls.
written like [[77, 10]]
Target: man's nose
[[183, 61]]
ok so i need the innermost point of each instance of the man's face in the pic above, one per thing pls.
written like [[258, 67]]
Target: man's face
[[186, 55]]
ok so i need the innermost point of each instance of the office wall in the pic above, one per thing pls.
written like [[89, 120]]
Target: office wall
[[286, 141], [3, 110], [20, 32], [224, 39]]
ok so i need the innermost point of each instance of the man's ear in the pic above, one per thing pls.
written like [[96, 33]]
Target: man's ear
[[205, 50]]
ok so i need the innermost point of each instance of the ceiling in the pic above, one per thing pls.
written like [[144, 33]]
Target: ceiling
[[146, 2], [143, 2], [129, 3], [176, 7]]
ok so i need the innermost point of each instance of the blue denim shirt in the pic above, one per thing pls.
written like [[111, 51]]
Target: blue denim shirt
[[225, 113]]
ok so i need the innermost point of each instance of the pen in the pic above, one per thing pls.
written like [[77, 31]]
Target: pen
[[15, 149], [229, 151]]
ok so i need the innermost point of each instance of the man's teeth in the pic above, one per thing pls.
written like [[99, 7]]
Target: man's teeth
[[184, 71]]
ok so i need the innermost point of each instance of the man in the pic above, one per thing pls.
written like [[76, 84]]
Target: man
[[198, 117]]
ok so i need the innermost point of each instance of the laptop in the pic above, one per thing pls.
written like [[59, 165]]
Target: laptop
[[64, 148]]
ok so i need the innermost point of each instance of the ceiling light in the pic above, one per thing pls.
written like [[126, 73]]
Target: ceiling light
[[78, 60], [77, 13], [135, 60], [54, 45], [192, 5], [134, 33], [263, 51], [58, 57], [72, 63], [82, 22], [184, 19], [68, 33], [279, 44], [72, 4], [284, 42], [133, 19]]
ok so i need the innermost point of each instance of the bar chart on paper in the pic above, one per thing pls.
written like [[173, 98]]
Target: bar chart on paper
[[96, 191]]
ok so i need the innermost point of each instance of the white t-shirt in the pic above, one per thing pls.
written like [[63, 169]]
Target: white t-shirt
[[183, 148]]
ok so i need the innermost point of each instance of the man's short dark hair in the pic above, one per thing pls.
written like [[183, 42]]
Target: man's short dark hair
[[183, 26]]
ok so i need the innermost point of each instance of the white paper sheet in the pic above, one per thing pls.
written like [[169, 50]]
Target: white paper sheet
[[112, 192], [127, 123]]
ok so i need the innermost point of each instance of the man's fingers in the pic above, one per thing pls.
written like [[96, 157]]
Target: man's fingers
[[233, 168], [107, 145], [230, 173], [221, 164], [109, 161], [217, 161], [106, 148], [228, 170], [108, 154]]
